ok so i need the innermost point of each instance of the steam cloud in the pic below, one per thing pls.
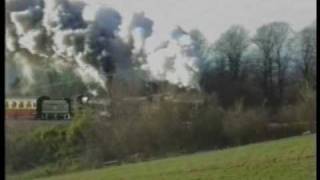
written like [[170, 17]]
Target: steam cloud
[[175, 60], [71, 33]]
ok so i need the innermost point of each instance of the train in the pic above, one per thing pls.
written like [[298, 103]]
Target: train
[[42, 108]]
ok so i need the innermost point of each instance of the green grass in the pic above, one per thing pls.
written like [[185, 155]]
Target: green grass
[[285, 159]]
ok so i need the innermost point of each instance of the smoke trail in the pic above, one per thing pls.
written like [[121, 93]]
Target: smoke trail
[[60, 30], [141, 29], [18, 71], [86, 39]]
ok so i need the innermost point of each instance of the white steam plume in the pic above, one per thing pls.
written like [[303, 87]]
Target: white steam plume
[[64, 30], [174, 60], [72, 33]]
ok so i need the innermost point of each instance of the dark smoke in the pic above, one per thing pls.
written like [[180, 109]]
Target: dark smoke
[[85, 39]]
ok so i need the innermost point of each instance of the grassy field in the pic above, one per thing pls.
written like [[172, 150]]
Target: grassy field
[[285, 159]]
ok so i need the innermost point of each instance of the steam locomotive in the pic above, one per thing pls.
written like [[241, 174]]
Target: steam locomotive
[[42, 108]]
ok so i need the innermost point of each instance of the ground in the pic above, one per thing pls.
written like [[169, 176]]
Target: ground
[[286, 159]]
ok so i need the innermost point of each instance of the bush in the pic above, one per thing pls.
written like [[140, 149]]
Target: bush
[[163, 128], [45, 145], [208, 126], [37, 148], [300, 116], [243, 126]]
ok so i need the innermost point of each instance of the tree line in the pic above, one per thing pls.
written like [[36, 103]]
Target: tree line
[[265, 67]]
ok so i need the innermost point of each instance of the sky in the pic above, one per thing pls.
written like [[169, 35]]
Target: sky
[[213, 17]]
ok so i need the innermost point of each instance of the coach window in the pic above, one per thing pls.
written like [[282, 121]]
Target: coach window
[[21, 105], [34, 104], [14, 104], [7, 104]]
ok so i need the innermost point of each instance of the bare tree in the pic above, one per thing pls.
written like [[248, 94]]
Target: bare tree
[[271, 40], [200, 43], [231, 45], [306, 51]]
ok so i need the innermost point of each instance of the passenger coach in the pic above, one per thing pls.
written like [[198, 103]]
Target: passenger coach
[[21, 108]]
